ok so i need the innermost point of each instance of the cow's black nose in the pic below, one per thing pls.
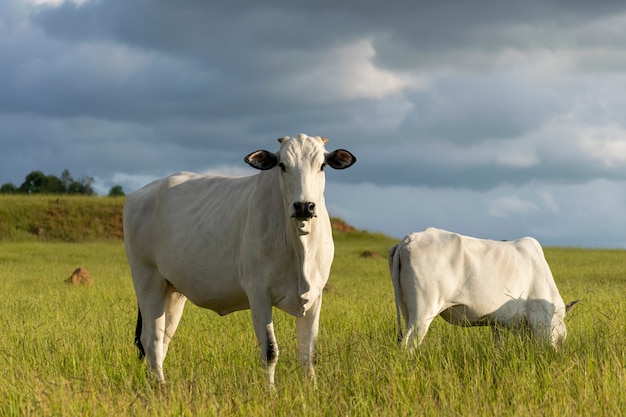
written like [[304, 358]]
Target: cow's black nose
[[304, 210]]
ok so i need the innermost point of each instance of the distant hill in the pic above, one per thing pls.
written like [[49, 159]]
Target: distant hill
[[73, 218], [60, 218]]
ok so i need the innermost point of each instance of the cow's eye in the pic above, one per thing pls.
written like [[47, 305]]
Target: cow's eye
[[282, 166]]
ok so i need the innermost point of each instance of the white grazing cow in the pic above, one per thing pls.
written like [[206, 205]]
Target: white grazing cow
[[230, 244], [474, 282]]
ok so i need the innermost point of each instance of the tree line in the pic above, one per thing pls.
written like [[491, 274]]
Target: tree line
[[37, 182]]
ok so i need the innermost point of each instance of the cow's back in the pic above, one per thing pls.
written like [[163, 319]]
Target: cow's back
[[168, 216]]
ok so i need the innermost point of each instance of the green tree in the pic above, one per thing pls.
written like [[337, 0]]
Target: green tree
[[53, 185], [87, 183], [82, 186], [38, 183], [116, 191], [66, 180], [34, 183], [8, 188]]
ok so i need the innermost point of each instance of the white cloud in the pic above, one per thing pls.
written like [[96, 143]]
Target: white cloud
[[230, 171], [348, 72], [548, 201], [604, 143], [509, 206], [54, 3], [516, 158]]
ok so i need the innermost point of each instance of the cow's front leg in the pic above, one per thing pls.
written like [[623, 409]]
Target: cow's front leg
[[264, 330], [307, 328]]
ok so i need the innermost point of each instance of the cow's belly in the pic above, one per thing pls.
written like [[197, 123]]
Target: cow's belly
[[222, 305], [509, 313], [225, 302], [224, 294], [220, 293]]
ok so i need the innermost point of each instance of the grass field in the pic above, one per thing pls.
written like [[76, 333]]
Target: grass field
[[68, 351]]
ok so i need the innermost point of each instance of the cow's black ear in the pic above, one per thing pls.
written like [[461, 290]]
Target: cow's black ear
[[340, 159], [261, 160]]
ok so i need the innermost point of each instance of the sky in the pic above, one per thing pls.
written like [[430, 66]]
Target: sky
[[492, 118]]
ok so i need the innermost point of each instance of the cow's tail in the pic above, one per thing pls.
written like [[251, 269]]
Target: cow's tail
[[142, 352], [394, 269]]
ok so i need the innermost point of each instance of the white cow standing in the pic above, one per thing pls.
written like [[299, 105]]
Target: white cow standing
[[230, 244], [474, 282]]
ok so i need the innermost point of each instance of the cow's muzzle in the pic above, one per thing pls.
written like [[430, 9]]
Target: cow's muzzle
[[304, 210]]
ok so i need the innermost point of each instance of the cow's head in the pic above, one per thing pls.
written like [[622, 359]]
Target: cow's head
[[301, 161]]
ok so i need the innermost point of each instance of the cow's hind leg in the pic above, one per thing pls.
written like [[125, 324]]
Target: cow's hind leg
[[307, 328], [419, 316], [174, 306], [150, 288], [416, 330]]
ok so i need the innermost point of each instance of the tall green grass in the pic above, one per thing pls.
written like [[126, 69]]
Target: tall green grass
[[68, 350]]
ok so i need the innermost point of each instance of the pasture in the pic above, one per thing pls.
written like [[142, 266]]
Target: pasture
[[68, 350]]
